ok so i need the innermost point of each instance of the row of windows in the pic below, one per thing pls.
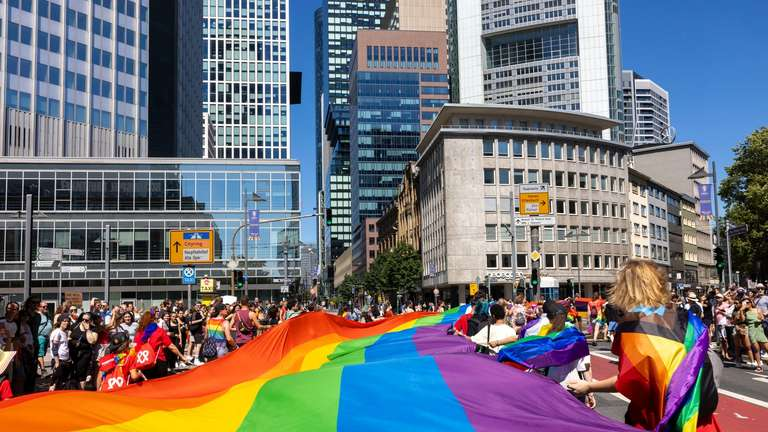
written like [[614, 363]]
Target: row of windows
[[201, 192], [557, 151], [558, 261], [562, 179], [402, 57], [657, 252]]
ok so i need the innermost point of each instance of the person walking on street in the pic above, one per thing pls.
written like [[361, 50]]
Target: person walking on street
[[218, 334], [754, 319], [245, 323], [62, 362]]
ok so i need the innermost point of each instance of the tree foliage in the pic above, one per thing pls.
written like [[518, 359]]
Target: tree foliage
[[395, 271], [745, 194], [349, 287]]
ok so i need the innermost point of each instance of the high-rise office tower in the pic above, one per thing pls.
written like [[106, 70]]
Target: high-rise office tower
[[398, 83], [646, 110], [420, 15], [561, 54], [339, 21], [74, 78], [175, 78], [246, 77]]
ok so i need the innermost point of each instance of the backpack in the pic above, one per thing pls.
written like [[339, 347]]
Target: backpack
[[477, 322]]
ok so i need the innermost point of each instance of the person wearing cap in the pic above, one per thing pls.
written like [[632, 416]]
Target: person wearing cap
[[761, 299], [120, 355], [5, 384], [693, 304]]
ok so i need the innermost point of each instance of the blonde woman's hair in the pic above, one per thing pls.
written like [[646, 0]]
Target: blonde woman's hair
[[639, 283]]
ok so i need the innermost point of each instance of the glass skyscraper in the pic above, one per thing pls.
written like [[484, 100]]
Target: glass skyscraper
[[561, 54], [399, 82], [246, 77], [340, 21], [74, 81]]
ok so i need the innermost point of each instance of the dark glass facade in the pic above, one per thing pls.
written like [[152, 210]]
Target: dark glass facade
[[386, 127], [142, 200]]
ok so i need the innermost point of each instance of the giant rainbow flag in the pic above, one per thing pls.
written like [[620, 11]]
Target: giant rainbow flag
[[320, 372]]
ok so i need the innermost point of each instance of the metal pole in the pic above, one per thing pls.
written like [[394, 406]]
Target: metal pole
[[245, 243], [512, 234], [28, 247], [728, 251], [58, 301], [536, 264], [107, 259], [320, 242], [285, 262], [189, 296], [578, 258], [717, 216]]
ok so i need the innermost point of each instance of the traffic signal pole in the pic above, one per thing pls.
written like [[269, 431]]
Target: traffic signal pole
[[728, 251]]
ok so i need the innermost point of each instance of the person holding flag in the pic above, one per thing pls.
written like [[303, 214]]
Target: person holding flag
[[118, 368], [664, 368]]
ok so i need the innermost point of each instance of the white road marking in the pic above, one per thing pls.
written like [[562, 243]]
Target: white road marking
[[620, 396], [724, 392], [739, 416]]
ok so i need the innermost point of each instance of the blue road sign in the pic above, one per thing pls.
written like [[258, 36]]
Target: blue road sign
[[197, 235], [188, 276]]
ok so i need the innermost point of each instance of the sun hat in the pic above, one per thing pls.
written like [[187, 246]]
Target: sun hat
[[692, 296]]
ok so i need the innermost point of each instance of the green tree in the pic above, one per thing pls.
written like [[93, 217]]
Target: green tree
[[745, 194], [352, 284]]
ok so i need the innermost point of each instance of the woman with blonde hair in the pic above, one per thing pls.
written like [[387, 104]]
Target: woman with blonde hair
[[664, 368]]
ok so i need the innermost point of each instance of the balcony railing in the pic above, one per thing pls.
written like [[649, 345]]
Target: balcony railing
[[582, 134]]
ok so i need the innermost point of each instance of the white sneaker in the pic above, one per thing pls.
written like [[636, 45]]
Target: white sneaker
[[197, 362]]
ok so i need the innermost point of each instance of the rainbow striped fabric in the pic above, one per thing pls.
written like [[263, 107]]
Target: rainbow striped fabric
[[664, 371], [540, 351], [320, 372]]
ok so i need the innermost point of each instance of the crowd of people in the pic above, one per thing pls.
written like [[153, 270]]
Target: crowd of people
[[107, 347], [77, 349]]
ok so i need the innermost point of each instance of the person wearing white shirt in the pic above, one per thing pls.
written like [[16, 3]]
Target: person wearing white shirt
[[62, 363], [497, 331]]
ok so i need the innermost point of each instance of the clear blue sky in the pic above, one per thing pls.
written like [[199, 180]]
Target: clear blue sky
[[710, 57]]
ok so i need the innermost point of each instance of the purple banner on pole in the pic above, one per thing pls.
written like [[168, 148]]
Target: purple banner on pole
[[253, 224], [705, 197]]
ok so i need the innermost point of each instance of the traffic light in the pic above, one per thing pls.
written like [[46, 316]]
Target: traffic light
[[535, 278], [328, 215], [719, 261], [239, 279]]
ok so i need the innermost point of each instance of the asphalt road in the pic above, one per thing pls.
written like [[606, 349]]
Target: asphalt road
[[743, 402]]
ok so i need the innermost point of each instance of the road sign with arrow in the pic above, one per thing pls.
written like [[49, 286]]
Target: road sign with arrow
[[191, 246]]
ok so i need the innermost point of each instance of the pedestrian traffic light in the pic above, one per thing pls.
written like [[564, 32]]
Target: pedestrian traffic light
[[719, 261], [535, 278], [239, 279]]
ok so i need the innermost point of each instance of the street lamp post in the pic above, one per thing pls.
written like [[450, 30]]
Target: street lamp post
[[255, 198], [579, 233]]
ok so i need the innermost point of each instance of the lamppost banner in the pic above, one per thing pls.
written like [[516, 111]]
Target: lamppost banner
[[705, 197]]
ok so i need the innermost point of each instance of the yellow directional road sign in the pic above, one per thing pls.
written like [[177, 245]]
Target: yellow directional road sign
[[191, 246], [534, 199]]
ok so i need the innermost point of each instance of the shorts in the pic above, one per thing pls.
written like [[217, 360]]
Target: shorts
[[42, 346], [612, 326], [198, 338], [598, 321]]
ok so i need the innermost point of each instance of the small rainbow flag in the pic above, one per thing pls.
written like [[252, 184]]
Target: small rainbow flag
[[540, 351], [320, 372]]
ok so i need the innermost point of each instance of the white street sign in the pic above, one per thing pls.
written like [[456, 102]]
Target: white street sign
[[535, 220], [284, 289], [49, 254], [74, 269], [74, 252], [534, 188], [43, 264]]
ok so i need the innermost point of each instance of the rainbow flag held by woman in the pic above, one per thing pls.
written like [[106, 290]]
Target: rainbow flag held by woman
[[665, 372], [540, 351], [320, 372]]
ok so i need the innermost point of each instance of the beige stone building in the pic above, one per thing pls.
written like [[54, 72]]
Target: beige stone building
[[474, 157], [401, 223]]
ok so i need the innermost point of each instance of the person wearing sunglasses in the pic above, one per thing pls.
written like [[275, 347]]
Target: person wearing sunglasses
[[81, 342]]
